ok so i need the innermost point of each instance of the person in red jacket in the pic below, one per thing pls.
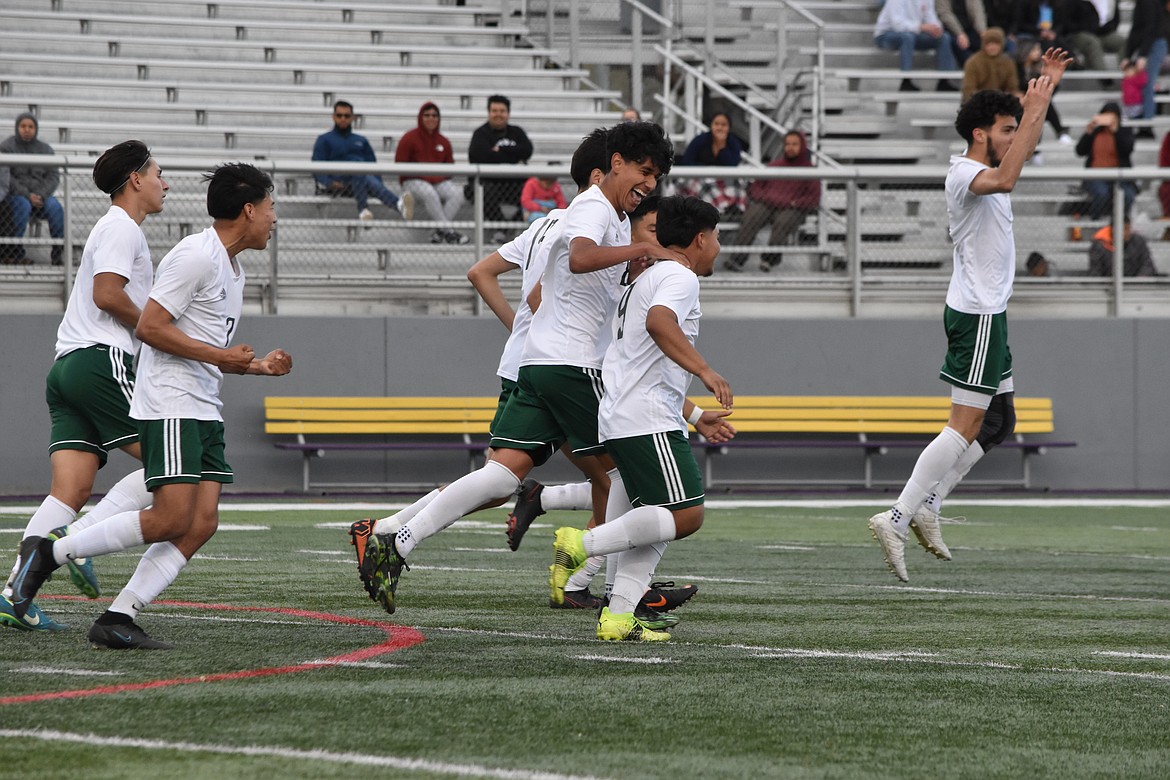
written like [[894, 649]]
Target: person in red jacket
[[783, 202], [441, 196]]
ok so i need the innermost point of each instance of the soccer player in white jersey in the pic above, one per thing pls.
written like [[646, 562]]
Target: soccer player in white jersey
[[1001, 135], [559, 382], [643, 421], [187, 326], [528, 252], [92, 378]]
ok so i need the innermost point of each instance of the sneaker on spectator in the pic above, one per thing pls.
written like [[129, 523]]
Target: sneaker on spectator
[[455, 237], [406, 205], [1037, 158], [499, 238], [1066, 139], [439, 237], [365, 215]]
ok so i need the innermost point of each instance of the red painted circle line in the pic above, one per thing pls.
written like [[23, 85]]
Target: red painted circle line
[[397, 638]]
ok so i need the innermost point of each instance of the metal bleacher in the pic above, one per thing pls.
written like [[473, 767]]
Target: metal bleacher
[[255, 79]]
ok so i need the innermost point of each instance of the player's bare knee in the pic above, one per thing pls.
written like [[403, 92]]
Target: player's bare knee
[[687, 521]]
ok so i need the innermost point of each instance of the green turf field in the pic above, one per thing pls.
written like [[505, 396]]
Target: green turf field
[[1042, 650]]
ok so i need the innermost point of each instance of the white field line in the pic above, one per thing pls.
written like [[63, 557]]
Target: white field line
[[222, 619], [620, 660], [54, 670], [481, 549], [242, 527], [202, 557], [998, 594], [786, 547], [1143, 656], [322, 756], [356, 664], [325, 552], [1134, 528]]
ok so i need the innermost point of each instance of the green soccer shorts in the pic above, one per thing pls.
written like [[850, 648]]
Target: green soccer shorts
[[658, 469], [182, 450], [507, 390], [88, 392], [978, 357], [551, 405]]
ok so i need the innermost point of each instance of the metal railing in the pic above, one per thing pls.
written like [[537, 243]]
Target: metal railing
[[876, 246]]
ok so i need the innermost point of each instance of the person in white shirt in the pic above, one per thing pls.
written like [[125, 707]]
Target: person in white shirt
[[187, 327], [1001, 135], [643, 421], [559, 381], [907, 26], [92, 378]]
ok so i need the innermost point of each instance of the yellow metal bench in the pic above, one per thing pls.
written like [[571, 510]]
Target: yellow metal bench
[[388, 423], [875, 424]]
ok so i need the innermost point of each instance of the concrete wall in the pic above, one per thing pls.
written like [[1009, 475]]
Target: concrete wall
[[1108, 380]]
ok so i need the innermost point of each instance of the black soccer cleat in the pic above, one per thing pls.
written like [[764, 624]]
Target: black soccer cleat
[[663, 596], [123, 636], [577, 599], [527, 509], [35, 566], [653, 619]]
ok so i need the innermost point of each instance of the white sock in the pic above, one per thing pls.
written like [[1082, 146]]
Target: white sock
[[635, 568], [945, 485], [160, 565], [129, 494], [120, 532], [52, 513], [618, 503], [391, 524], [583, 576], [576, 495], [492, 482], [939, 457], [637, 528], [610, 573]]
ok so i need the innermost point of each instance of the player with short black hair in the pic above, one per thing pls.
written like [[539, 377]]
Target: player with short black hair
[[643, 417], [187, 327], [1001, 134], [89, 386]]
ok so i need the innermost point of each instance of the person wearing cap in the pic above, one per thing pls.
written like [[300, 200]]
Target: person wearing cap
[[92, 378], [1106, 144], [990, 67], [30, 188]]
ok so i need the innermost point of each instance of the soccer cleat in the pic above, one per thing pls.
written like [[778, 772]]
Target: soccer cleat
[[577, 599], [81, 572], [124, 636], [34, 619], [663, 596], [568, 556], [626, 628], [655, 620], [926, 528], [359, 533], [386, 567], [34, 568], [893, 544], [527, 509]]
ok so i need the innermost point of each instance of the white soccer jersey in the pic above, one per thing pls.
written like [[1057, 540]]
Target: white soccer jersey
[[115, 245], [570, 327], [198, 286], [528, 251], [985, 249], [644, 389]]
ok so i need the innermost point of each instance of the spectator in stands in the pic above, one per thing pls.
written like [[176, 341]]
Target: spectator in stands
[[1136, 257], [631, 114], [30, 189], [342, 144], [541, 194], [441, 196], [496, 142], [965, 20], [1133, 84], [1106, 144], [1148, 39], [9, 253], [1038, 265], [1091, 28], [990, 68], [717, 146], [783, 202], [907, 26], [1029, 60], [1004, 14], [1164, 187]]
